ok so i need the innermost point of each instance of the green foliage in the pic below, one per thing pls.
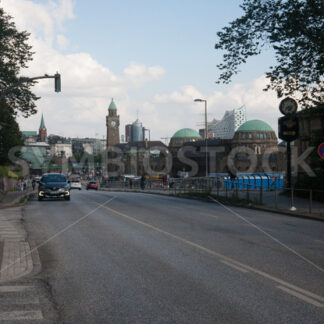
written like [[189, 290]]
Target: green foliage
[[294, 29], [10, 134], [14, 55]]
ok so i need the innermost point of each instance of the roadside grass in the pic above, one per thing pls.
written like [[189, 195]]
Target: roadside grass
[[22, 200]]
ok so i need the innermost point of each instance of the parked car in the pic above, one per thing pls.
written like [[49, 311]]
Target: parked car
[[92, 185], [75, 184], [37, 178], [53, 185]]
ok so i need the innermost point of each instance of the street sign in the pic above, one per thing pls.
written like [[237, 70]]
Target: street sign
[[288, 128], [288, 106], [320, 150]]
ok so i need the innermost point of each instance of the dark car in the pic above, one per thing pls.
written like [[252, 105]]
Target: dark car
[[92, 185], [53, 185]]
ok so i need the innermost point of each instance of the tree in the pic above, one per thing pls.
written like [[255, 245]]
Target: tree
[[15, 53], [10, 134], [294, 29]]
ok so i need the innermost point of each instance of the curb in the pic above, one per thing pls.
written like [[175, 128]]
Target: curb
[[37, 265], [265, 209], [15, 202]]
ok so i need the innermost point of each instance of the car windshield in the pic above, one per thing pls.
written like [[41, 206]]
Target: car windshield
[[54, 178], [76, 181]]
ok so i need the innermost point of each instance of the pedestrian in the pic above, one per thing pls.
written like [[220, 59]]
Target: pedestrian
[[18, 185], [142, 182], [33, 183], [25, 185], [171, 183]]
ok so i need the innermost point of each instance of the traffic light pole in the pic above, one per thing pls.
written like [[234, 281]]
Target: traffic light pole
[[22, 80], [288, 165]]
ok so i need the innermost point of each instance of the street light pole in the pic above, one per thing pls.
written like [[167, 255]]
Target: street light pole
[[206, 133]]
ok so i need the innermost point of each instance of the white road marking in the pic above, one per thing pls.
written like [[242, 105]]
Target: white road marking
[[208, 215], [300, 296], [21, 316], [219, 255], [18, 300], [7, 289], [319, 241], [269, 235], [233, 266]]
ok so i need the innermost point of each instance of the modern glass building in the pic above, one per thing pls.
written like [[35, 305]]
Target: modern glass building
[[227, 126]]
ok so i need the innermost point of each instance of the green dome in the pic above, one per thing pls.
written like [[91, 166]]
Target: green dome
[[254, 126], [112, 105], [186, 133]]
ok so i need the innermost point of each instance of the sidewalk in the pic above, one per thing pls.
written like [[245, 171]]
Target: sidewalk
[[16, 259]]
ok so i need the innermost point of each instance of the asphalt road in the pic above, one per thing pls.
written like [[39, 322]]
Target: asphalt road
[[137, 258]]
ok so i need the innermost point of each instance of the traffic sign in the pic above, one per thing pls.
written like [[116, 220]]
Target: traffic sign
[[288, 128], [320, 150]]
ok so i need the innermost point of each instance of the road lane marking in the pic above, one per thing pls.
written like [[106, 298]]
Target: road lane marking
[[319, 241], [300, 296], [21, 316], [234, 266], [209, 215], [19, 300], [8, 289], [219, 255], [269, 235]]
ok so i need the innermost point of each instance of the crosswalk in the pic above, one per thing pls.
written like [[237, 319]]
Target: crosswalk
[[20, 303]]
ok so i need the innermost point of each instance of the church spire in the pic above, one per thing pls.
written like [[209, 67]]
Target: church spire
[[42, 124]]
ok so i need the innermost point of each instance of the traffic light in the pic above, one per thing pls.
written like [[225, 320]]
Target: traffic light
[[57, 80]]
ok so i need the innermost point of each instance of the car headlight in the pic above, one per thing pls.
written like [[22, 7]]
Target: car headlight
[[61, 190]]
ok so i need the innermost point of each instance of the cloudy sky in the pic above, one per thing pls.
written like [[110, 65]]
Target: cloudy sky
[[152, 56]]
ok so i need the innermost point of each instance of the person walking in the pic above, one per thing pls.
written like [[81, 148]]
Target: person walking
[[33, 183], [142, 182]]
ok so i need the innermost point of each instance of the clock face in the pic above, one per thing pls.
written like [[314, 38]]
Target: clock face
[[113, 123], [288, 106]]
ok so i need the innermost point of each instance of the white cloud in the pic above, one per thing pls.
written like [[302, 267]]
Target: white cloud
[[138, 74], [87, 85], [62, 41], [178, 110]]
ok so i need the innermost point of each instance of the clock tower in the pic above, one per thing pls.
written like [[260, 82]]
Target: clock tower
[[112, 123]]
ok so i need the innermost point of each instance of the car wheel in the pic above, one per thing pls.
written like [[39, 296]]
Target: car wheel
[[96, 188], [40, 198], [67, 198], [87, 188], [79, 188]]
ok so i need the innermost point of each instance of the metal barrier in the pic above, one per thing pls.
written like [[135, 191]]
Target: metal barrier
[[263, 190]]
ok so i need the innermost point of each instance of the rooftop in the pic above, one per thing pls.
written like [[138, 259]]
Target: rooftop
[[112, 105], [186, 133], [255, 125]]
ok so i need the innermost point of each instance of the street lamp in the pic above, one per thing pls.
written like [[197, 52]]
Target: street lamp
[[206, 131]]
